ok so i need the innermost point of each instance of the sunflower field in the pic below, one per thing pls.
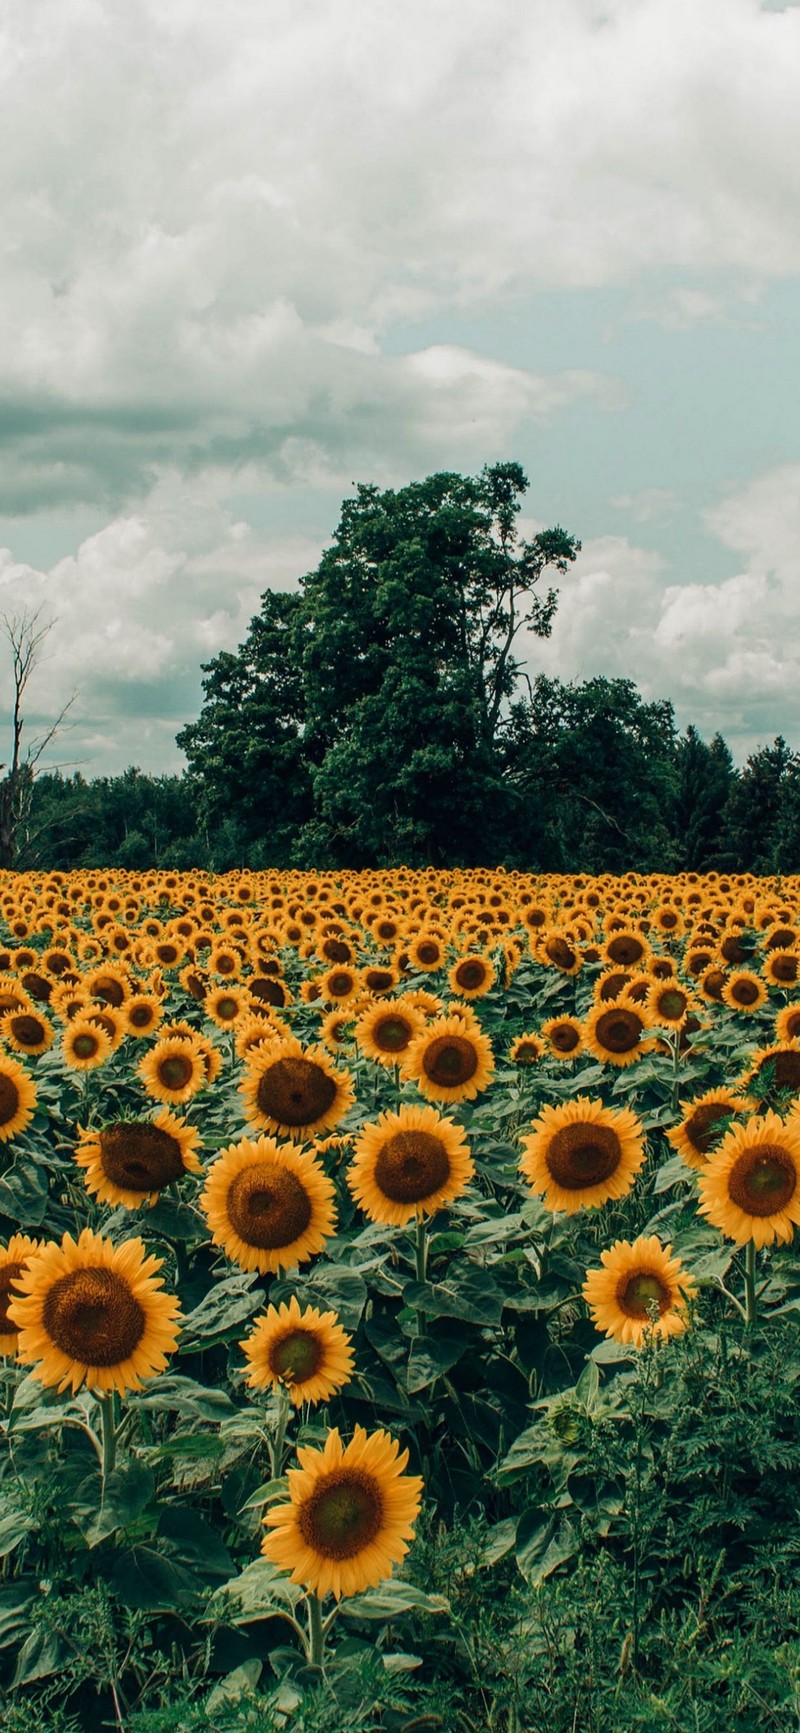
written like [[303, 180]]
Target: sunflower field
[[399, 1302]]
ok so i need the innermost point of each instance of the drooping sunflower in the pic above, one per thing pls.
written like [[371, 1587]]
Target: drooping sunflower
[[295, 1091], [13, 1260], [526, 1050], [130, 1161], [385, 1031], [702, 1126], [306, 1352], [563, 1036], [174, 1069], [94, 1315], [613, 1033], [472, 976], [84, 1044], [409, 1163], [451, 1060], [269, 1206], [750, 1185], [579, 1155], [17, 1098], [350, 1515], [636, 1280], [557, 950], [744, 990]]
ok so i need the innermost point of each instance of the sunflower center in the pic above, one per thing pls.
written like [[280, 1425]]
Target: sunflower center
[[85, 1045], [141, 1016], [29, 1031], [92, 1316], [269, 992], [411, 1166], [228, 1008], [763, 1180], [8, 1274], [268, 1206], [471, 974], [583, 1155], [9, 1098], [638, 1293], [340, 983], [744, 992], [175, 1071], [672, 1003], [295, 1091], [343, 1515], [625, 949], [337, 951], [784, 967], [701, 1126], [108, 990], [560, 953], [428, 953], [139, 1156], [526, 1053], [379, 980], [450, 1061], [618, 1031], [296, 1357], [392, 1034], [787, 1071], [565, 1037]]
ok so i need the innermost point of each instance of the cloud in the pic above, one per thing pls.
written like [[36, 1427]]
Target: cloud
[[649, 505], [727, 653]]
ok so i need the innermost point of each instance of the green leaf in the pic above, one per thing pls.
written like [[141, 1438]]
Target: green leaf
[[543, 1546], [500, 1541], [179, 1395], [469, 1293], [42, 1654], [15, 1599], [259, 1592], [234, 1686], [99, 1510], [391, 1598], [225, 1307], [14, 1527], [431, 1356], [23, 1193], [587, 1388]]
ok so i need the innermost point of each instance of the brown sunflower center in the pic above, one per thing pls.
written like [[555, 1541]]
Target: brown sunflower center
[[28, 1031], [701, 1126], [9, 1098], [85, 1045], [618, 1030], [763, 1180], [744, 992], [337, 951], [429, 952], [411, 1166], [341, 983], [8, 1274], [227, 1008], [471, 974], [295, 1091], [296, 1356], [565, 1037], [175, 1071], [141, 1016], [784, 966], [139, 1156], [343, 1515], [109, 990], [671, 1004], [583, 1155], [268, 991], [526, 1053], [450, 1061], [268, 1206], [793, 1025], [733, 950], [613, 984], [379, 980], [625, 949], [640, 1291], [392, 1034], [560, 953], [92, 1316]]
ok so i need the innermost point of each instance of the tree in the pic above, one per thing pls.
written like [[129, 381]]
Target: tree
[[752, 818], [369, 710], [25, 637], [705, 778]]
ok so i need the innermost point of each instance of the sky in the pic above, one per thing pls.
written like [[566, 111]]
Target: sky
[[254, 254]]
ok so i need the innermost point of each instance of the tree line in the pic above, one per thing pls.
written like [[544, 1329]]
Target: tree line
[[383, 713]]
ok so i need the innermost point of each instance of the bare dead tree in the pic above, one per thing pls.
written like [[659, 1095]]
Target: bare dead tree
[[25, 634]]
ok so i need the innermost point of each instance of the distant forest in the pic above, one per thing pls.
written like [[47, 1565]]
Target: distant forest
[[382, 714]]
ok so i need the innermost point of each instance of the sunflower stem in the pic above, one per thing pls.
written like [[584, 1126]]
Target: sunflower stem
[[277, 1445], [316, 1632], [421, 1249], [750, 1297], [108, 1434], [676, 1070]]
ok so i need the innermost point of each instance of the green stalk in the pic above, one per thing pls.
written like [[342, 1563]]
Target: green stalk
[[316, 1633], [421, 1249], [277, 1444], [108, 1434], [750, 1300], [676, 1070]]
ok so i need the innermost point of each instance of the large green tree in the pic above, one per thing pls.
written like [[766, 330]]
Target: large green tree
[[365, 716]]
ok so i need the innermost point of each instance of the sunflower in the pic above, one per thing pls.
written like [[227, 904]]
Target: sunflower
[[256, 1027], [13, 1260], [385, 1031], [564, 1037], [340, 983], [749, 1187], [668, 1003], [557, 950], [337, 1030], [143, 1012], [426, 952], [112, 986], [84, 1044], [409, 1163], [579, 1155], [613, 1033], [305, 1352], [773, 1070], [787, 1023], [27, 1032], [194, 981], [174, 1070], [268, 990], [268, 1205], [627, 948], [130, 1161], [350, 1514], [224, 1005], [745, 991], [17, 1098], [782, 968], [380, 977], [611, 985], [472, 976], [636, 1280], [703, 1123], [94, 1315], [526, 1050], [451, 1060], [295, 1091]]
